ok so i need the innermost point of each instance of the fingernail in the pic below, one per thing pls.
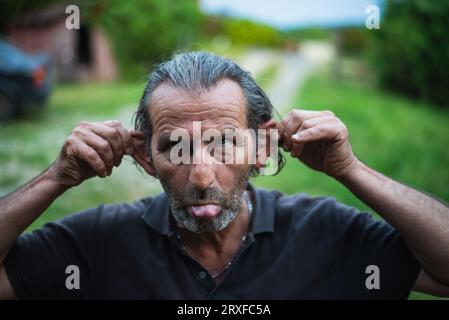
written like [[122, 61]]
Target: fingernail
[[296, 136]]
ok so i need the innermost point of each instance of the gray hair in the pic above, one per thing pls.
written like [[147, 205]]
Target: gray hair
[[197, 71]]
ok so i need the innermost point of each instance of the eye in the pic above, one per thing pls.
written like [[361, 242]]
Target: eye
[[172, 144], [227, 142], [167, 145]]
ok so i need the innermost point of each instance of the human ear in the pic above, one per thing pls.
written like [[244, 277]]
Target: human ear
[[140, 153], [264, 145]]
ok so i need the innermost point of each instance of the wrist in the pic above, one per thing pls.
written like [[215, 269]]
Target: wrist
[[350, 172], [50, 178]]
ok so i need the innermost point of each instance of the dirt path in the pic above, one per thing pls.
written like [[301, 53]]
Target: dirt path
[[293, 69]]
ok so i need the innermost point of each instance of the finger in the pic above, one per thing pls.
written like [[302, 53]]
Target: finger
[[126, 139], [280, 128], [286, 143], [91, 157], [137, 139], [319, 132], [124, 134], [137, 142], [307, 114], [297, 149], [86, 133], [293, 122], [136, 134], [299, 116], [281, 139], [313, 122], [102, 147], [112, 136]]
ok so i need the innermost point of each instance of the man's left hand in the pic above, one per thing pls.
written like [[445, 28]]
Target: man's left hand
[[319, 139]]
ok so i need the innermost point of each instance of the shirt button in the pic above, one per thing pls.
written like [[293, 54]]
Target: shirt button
[[202, 275]]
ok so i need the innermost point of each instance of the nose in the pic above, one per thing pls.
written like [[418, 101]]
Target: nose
[[201, 176], [202, 168]]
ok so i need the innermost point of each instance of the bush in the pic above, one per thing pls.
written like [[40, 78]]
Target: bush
[[311, 33], [251, 33], [411, 50], [242, 31], [353, 41], [144, 32]]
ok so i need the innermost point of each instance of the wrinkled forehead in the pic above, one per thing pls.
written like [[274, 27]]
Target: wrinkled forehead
[[222, 106]]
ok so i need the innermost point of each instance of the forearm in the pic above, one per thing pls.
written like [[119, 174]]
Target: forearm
[[422, 220], [21, 207]]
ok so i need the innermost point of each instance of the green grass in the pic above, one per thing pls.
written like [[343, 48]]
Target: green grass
[[30, 145], [268, 75], [407, 141]]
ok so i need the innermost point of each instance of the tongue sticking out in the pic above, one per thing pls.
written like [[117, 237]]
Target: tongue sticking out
[[204, 211]]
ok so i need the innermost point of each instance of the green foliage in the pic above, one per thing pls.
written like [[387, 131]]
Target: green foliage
[[411, 50], [312, 33], [402, 139], [352, 41], [242, 31], [247, 32], [146, 31]]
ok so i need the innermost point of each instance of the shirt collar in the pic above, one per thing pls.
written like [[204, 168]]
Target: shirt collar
[[158, 216]]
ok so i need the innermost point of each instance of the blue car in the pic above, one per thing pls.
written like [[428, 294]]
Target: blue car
[[24, 80]]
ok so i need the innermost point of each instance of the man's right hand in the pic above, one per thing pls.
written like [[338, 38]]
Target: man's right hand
[[93, 149]]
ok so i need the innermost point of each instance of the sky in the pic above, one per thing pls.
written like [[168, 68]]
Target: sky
[[294, 13]]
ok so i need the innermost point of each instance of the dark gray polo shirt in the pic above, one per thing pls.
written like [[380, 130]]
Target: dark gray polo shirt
[[298, 247]]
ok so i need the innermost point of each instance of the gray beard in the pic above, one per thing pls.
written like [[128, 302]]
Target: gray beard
[[221, 221], [230, 207]]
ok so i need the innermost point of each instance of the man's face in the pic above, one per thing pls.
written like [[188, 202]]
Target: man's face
[[204, 197]]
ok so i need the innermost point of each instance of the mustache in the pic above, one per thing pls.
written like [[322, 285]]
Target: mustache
[[193, 196]]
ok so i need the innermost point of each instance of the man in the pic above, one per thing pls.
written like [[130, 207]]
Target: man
[[211, 235]]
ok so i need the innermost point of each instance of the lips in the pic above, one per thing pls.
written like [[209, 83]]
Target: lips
[[205, 211]]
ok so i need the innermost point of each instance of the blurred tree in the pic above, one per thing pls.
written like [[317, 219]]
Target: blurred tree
[[146, 31], [242, 31], [248, 32], [353, 40], [11, 8], [310, 33], [411, 49]]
